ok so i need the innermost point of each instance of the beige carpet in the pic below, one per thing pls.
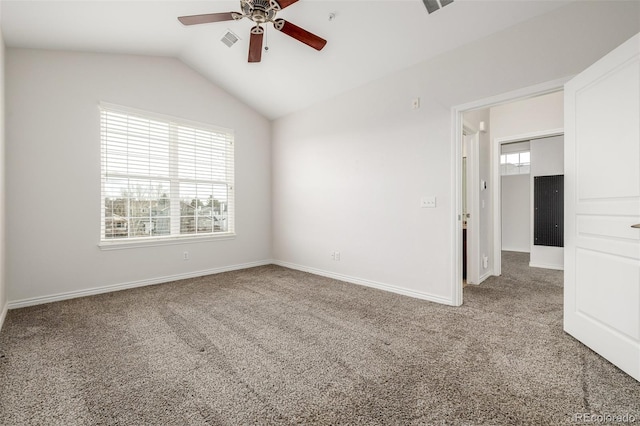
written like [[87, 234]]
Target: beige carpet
[[271, 345]]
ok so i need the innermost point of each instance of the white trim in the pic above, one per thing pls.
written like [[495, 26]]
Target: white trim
[[482, 278], [3, 314], [516, 250], [497, 189], [515, 95], [120, 244], [367, 283], [456, 208], [473, 207], [546, 266], [486, 275], [132, 284], [456, 172]]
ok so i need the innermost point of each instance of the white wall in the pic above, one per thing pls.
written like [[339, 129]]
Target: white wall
[[349, 173], [527, 116], [53, 171], [3, 281], [516, 213], [547, 159]]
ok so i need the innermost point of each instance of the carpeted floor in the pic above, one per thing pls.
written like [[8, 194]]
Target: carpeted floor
[[271, 345]]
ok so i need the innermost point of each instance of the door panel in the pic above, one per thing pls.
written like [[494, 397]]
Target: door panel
[[608, 288], [597, 124], [602, 187]]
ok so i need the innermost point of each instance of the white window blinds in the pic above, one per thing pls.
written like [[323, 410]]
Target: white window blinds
[[164, 177]]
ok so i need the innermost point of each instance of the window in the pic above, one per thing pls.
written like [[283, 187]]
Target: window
[[163, 178], [515, 163]]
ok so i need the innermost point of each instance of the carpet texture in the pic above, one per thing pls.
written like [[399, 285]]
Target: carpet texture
[[270, 345]]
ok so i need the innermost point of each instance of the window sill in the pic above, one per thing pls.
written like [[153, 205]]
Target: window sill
[[156, 242]]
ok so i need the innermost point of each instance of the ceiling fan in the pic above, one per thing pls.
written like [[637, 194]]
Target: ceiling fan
[[261, 12]]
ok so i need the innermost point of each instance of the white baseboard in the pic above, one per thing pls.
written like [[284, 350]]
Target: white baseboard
[[14, 304], [486, 275], [546, 266], [3, 315], [482, 278], [517, 250], [367, 283], [132, 284]]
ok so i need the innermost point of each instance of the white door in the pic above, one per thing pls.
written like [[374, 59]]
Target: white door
[[602, 204]]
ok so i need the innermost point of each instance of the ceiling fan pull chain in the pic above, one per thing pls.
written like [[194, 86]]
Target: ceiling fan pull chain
[[266, 38]]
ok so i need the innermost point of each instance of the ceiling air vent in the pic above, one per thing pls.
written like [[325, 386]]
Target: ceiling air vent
[[433, 5], [229, 38]]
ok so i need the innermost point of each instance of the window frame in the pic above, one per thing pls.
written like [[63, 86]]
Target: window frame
[[174, 181]]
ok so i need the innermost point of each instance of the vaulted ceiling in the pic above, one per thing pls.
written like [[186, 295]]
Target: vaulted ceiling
[[367, 39]]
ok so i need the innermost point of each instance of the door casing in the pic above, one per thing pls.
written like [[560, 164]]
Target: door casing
[[456, 173]]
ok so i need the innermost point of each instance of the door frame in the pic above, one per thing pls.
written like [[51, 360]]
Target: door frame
[[473, 203], [497, 199], [456, 172]]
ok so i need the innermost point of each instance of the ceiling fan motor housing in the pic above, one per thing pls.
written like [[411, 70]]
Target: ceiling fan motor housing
[[259, 11]]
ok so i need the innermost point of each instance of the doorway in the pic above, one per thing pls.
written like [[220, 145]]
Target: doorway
[[523, 163], [493, 237]]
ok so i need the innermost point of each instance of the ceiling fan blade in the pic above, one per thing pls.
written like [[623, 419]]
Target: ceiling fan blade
[[285, 3], [206, 18], [255, 44], [299, 34]]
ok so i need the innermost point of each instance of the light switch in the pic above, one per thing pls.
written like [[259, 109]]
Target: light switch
[[428, 202]]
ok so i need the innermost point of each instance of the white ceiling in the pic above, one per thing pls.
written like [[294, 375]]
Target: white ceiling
[[368, 39]]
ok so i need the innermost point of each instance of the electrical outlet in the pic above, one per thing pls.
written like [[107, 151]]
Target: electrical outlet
[[337, 256], [428, 202], [185, 255], [415, 103]]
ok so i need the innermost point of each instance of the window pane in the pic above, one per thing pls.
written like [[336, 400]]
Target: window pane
[[162, 226], [220, 208], [205, 224], [162, 207], [188, 225], [116, 187], [139, 227], [139, 208], [513, 158]]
